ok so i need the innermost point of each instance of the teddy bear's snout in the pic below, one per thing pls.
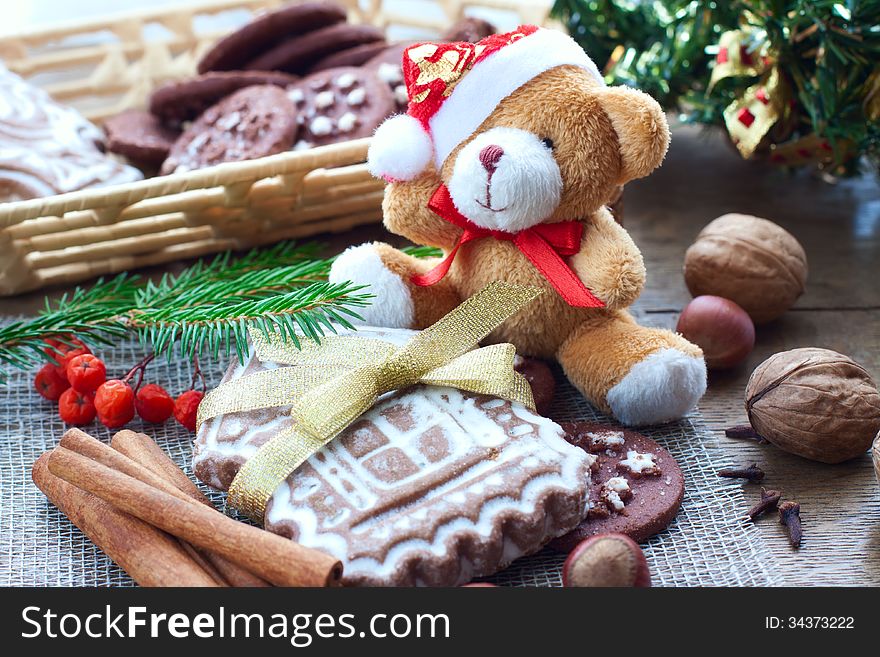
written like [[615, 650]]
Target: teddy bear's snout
[[506, 179]]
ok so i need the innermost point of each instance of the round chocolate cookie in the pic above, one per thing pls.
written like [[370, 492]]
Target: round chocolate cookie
[[251, 123], [183, 100], [469, 29], [356, 56], [265, 31], [339, 104], [388, 65], [298, 54], [637, 486], [140, 137], [540, 379]]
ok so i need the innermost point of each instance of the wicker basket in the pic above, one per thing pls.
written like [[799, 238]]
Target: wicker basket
[[102, 67]]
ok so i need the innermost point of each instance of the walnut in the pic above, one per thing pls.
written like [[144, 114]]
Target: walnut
[[749, 260], [816, 403]]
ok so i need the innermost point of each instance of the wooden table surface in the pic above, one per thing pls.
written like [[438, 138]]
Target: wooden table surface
[[839, 226]]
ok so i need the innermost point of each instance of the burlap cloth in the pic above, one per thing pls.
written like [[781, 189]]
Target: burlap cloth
[[709, 543]]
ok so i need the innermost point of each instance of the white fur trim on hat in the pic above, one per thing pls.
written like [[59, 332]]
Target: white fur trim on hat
[[400, 150], [490, 81]]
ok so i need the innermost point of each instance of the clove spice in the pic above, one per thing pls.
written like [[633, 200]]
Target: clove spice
[[753, 473], [790, 516], [745, 432], [769, 500]]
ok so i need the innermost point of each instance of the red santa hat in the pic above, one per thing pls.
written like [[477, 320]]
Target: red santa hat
[[453, 87]]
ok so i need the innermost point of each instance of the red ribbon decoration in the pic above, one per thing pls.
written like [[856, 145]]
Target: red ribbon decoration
[[544, 245]]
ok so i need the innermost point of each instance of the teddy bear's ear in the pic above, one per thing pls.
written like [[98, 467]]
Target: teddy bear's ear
[[641, 128]]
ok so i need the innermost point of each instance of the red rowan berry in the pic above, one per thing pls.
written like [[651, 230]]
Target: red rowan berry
[[153, 403], [75, 407], [114, 402], [186, 408], [86, 372], [49, 383]]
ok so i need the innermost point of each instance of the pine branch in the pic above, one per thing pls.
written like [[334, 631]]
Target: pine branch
[[209, 307]]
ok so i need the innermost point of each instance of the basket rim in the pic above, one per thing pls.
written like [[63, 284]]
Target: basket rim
[[224, 174]]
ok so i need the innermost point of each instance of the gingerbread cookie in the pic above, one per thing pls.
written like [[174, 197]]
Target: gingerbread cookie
[[357, 56], [251, 123], [184, 100], [47, 148], [140, 137], [339, 104], [264, 32], [298, 54], [388, 67], [637, 487], [469, 29], [432, 486]]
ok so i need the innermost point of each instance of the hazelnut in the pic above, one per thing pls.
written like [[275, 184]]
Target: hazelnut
[[720, 328], [606, 560], [815, 403], [749, 260]]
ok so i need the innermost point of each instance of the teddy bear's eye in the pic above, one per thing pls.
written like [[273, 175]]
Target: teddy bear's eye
[[547, 142]]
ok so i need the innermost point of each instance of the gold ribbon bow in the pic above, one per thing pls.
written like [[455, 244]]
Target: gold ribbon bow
[[340, 378]]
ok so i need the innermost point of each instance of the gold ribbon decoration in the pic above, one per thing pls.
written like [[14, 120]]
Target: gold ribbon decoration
[[749, 118], [337, 380]]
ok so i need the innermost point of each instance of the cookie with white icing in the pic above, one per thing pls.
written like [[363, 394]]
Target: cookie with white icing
[[637, 487], [432, 486], [251, 123], [339, 104], [389, 68], [47, 148]]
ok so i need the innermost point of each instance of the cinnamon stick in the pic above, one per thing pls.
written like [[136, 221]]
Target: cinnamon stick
[[141, 448], [150, 556], [277, 560]]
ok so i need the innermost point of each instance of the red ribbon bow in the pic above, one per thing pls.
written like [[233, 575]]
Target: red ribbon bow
[[544, 245]]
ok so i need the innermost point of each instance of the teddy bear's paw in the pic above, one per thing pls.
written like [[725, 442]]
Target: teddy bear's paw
[[392, 306], [661, 388]]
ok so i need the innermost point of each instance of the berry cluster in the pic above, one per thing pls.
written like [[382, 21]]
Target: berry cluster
[[77, 380]]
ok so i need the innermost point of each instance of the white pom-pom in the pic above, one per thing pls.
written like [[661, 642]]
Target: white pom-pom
[[400, 150]]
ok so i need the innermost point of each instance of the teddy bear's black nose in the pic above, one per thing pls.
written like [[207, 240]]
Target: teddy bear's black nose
[[489, 157]]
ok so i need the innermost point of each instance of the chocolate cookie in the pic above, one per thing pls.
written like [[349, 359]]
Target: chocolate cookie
[[298, 54], [339, 104], [540, 379], [636, 489], [140, 137], [183, 100], [469, 29], [388, 66], [356, 56], [266, 31], [251, 123]]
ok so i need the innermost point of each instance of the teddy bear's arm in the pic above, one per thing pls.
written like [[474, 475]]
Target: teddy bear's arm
[[406, 213], [609, 263]]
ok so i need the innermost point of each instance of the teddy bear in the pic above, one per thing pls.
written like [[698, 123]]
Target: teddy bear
[[507, 155]]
